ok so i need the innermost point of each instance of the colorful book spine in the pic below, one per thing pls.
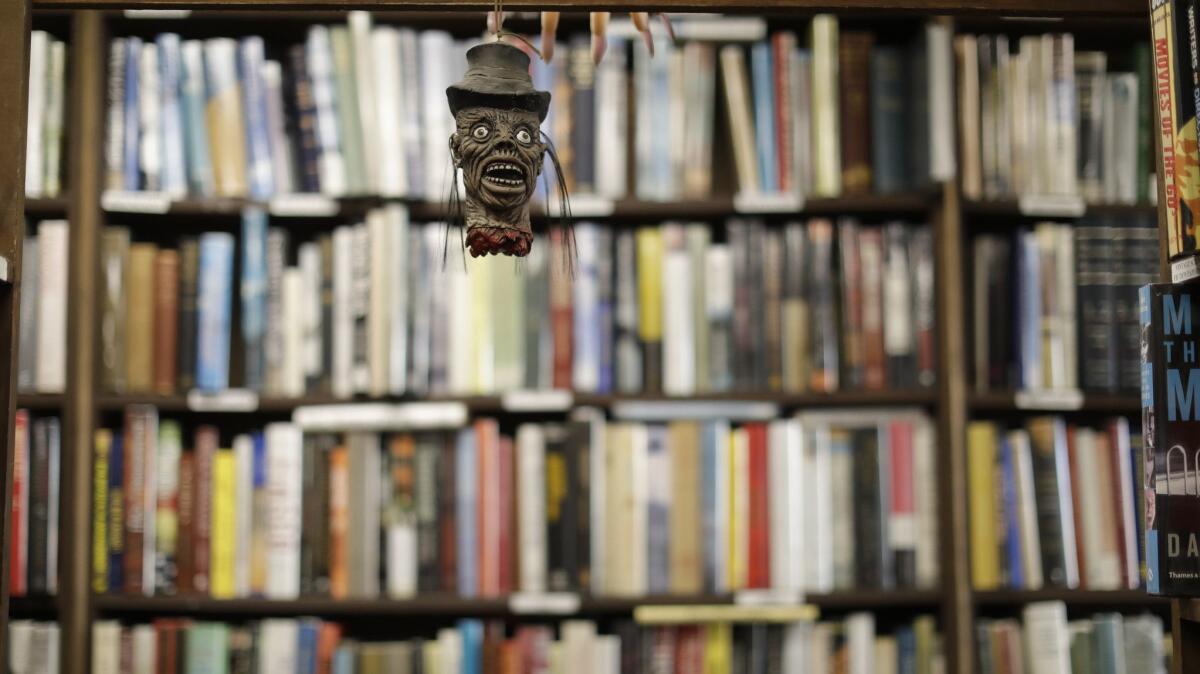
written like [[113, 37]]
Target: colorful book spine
[[213, 300]]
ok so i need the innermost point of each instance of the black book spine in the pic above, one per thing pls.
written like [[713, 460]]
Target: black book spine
[[1095, 305], [743, 331], [772, 303], [320, 529], [571, 531], [39, 503], [325, 383], [872, 559], [306, 120], [1044, 436], [189, 269], [582, 72], [310, 516], [428, 573], [581, 474], [447, 518]]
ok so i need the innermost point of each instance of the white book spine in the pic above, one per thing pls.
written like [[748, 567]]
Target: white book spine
[[379, 322], [292, 378], [436, 48], [398, 297], [366, 88], [679, 372], [531, 529], [599, 524], [145, 644], [777, 510], [638, 516], [1046, 641], [283, 526], [925, 503], [586, 326], [611, 87], [385, 51], [1102, 567], [1127, 545], [331, 165], [278, 645], [243, 456], [860, 640], [106, 642], [281, 150], [150, 151], [402, 559], [171, 125], [310, 309], [941, 102], [55, 112], [450, 643], [343, 322], [461, 322], [53, 263], [740, 510], [1031, 559], [39, 57]]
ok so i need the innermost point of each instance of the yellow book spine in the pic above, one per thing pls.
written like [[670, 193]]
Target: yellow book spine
[[649, 278], [483, 348], [981, 463], [718, 649], [103, 445], [224, 525]]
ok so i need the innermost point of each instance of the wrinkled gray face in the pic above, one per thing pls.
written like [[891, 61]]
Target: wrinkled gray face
[[500, 154]]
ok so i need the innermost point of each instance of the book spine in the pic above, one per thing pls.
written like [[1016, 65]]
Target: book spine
[[254, 111], [206, 440], [213, 297], [102, 448], [561, 310], [131, 135], [112, 321], [254, 317], [19, 536], [304, 116], [854, 55], [189, 272], [759, 556], [135, 495], [762, 76], [116, 514], [222, 584], [166, 512], [226, 128], [888, 133], [174, 170], [114, 147], [166, 311], [195, 126], [428, 567], [283, 527], [270, 285]]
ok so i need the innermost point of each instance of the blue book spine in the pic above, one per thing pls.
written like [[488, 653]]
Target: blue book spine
[[213, 308], [195, 120], [174, 169], [259, 460], [1145, 300], [664, 172], [465, 467], [343, 660], [544, 75], [906, 650], [116, 496], [1012, 530], [254, 295], [888, 122], [254, 111], [306, 650], [472, 646], [764, 114], [132, 123]]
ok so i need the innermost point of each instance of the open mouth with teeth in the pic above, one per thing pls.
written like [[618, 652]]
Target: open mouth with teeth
[[504, 175]]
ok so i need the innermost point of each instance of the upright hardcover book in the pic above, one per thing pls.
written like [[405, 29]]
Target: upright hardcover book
[[1171, 435]]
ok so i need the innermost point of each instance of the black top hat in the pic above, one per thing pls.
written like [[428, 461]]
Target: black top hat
[[497, 77]]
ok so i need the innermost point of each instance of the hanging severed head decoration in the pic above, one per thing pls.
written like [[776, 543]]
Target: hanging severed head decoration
[[498, 145]]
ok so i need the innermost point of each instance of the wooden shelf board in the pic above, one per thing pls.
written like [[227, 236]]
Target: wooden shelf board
[[916, 204], [32, 607], [450, 605], [46, 208], [957, 7], [40, 401], [1074, 597], [1010, 208], [1093, 403], [495, 404]]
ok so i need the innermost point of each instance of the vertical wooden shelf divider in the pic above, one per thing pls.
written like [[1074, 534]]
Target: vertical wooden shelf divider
[[79, 409], [14, 74]]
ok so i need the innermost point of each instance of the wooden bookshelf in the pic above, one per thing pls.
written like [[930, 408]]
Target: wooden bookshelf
[[1092, 403], [951, 401], [1011, 208]]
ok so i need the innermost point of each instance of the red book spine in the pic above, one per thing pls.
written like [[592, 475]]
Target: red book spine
[[781, 46], [506, 496], [447, 519], [327, 642], [1118, 453], [135, 498], [18, 549], [902, 524], [184, 552], [561, 326], [487, 507], [206, 448], [759, 557]]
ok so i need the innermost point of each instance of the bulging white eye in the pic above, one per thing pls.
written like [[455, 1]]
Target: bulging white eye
[[481, 132], [524, 136]]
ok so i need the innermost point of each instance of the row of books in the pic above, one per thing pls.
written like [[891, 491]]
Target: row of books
[[1050, 120], [33, 647], [1055, 305], [42, 326], [378, 308], [287, 646], [356, 109], [819, 502], [842, 114], [44, 133], [1054, 505], [33, 523], [1046, 642]]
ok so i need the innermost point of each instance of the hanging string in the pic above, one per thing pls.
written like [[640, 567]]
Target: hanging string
[[496, 26]]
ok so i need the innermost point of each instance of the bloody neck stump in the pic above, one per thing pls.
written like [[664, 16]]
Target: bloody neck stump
[[498, 147]]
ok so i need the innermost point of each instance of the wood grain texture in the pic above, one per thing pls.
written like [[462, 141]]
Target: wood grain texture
[[1083, 8], [957, 610], [75, 519], [14, 73]]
